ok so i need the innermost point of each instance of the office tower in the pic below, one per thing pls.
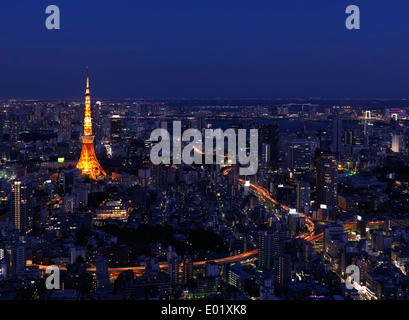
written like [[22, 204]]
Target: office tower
[[18, 260], [187, 269], [88, 162], [303, 197], [327, 181], [102, 271], [336, 145], [116, 129], [271, 136], [397, 140], [22, 205], [298, 154]]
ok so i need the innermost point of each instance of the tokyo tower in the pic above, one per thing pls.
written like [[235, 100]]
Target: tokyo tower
[[88, 162]]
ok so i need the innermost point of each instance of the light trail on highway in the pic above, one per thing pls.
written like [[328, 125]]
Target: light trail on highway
[[260, 192]]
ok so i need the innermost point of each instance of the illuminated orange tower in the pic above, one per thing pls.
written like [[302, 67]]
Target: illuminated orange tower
[[88, 162]]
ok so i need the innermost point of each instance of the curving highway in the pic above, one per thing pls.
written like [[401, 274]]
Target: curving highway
[[261, 193]]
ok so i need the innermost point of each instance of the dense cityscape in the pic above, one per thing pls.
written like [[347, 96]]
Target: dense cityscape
[[80, 194]]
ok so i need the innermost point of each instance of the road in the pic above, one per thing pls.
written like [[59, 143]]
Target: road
[[261, 193]]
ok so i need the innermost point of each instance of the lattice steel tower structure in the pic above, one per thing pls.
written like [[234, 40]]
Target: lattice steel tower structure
[[88, 162]]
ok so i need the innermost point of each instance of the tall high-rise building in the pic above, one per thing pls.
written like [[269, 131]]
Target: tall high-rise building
[[18, 260], [173, 270], [88, 162], [284, 269], [116, 129], [303, 196], [336, 145], [271, 245], [299, 154], [22, 205], [187, 269], [271, 136], [327, 181], [265, 249], [397, 140], [265, 153], [65, 125]]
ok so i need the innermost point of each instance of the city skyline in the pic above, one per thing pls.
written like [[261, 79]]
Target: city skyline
[[227, 154]]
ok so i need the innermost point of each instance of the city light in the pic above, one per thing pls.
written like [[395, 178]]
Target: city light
[[234, 156]]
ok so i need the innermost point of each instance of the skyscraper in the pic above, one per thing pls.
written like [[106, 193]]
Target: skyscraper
[[22, 206], [18, 260], [266, 240], [336, 145], [397, 140], [284, 269], [327, 181], [88, 162], [270, 246], [303, 196], [116, 129], [298, 154], [271, 137]]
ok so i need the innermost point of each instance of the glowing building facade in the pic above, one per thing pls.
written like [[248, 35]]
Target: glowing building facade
[[88, 162]]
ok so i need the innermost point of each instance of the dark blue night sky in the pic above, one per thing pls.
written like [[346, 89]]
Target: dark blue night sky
[[212, 48]]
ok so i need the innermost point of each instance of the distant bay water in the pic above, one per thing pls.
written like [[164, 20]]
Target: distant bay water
[[285, 125], [290, 126]]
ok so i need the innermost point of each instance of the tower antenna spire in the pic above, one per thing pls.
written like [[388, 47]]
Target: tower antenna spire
[[87, 81], [88, 162]]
